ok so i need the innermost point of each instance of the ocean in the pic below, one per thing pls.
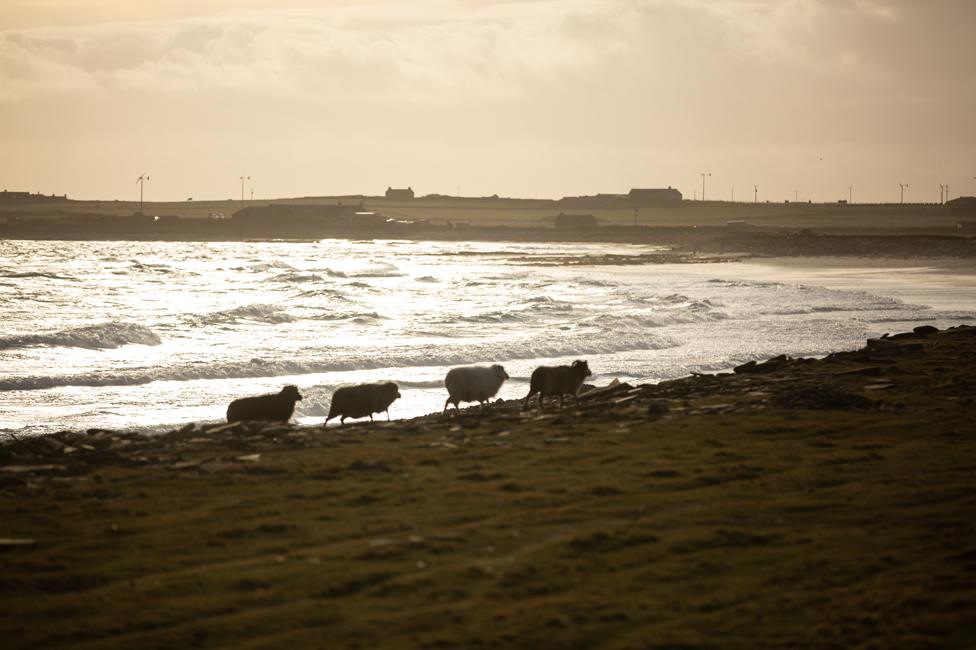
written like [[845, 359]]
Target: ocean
[[151, 335]]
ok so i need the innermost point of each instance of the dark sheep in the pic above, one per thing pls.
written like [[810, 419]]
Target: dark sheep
[[266, 408], [550, 381], [473, 384], [362, 400]]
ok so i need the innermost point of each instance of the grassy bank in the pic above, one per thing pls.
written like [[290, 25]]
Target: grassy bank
[[808, 504]]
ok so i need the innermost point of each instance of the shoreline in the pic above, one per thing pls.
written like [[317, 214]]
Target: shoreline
[[793, 502], [690, 243]]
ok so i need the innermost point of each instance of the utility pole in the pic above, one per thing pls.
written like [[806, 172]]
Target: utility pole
[[243, 178], [704, 174], [903, 186], [796, 196], [755, 194], [141, 180], [733, 194], [850, 194], [941, 193], [252, 194]]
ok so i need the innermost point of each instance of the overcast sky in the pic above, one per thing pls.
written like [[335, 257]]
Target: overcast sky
[[538, 98]]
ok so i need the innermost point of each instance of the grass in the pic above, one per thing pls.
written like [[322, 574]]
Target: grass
[[759, 527]]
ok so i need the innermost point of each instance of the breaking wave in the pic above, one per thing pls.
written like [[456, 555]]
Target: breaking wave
[[347, 359], [104, 336], [251, 313], [295, 278], [35, 274]]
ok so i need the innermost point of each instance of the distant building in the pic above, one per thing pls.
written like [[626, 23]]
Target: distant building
[[399, 194], [27, 196], [651, 197], [574, 221], [962, 205]]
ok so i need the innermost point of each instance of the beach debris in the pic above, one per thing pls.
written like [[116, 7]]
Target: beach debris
[[24, 469], [188, 464], [249, 458], [17, 541]]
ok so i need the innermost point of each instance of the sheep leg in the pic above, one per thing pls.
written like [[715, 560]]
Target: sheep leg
[[370, 417], [448, 401], [387, 415]]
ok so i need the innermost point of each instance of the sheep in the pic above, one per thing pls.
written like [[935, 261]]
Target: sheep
[[268, 408], [362, 400], [473, 384], [559, 380]]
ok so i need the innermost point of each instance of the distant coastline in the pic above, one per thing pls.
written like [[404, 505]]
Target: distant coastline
[[712, 227], [684, 244]]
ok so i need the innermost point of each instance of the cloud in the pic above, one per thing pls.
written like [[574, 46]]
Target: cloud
[[422, 51], [541, 92]]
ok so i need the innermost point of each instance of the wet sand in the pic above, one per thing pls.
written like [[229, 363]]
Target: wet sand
[[794, 503]]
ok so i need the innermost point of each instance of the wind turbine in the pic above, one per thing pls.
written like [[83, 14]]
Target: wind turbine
[[243, 178], [142, 181], [755, 194], [903, 186], [703, 175]]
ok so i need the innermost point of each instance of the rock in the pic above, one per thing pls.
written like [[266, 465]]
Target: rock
[[869, 371], [48, 445], [658, 408], [925, 330], [187, 428], [746, 368], [69, 437]]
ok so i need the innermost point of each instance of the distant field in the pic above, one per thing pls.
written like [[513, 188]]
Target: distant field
[[539, 213]]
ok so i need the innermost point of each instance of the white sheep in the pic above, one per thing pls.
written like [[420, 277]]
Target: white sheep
[[473, 384]]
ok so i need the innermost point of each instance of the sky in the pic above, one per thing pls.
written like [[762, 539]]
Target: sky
[[537, 98]]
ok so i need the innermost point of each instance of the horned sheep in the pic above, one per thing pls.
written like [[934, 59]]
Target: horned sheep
[[549, 381], [277, 407], [362, 400], [473, 384]]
